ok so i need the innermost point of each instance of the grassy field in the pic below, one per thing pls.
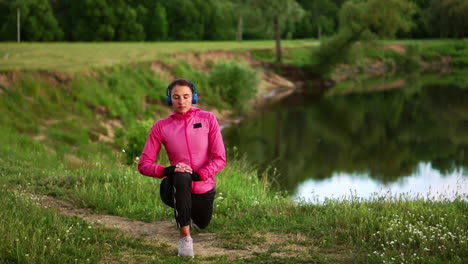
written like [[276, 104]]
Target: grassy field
[[385, 228], [82, 56], [75, 57], [49, 135]]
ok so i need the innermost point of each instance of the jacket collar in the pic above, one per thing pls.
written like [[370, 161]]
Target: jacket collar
[[191, 112]]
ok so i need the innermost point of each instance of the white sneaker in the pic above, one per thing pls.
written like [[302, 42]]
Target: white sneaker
[[186, 247]]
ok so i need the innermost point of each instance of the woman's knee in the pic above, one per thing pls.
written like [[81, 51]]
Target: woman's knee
[[201, 225], [182, 178]]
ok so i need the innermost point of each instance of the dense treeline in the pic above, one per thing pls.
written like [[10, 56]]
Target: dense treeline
[[155, 20]]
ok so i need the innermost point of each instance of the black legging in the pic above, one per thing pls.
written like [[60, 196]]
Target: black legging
[[176, 189]]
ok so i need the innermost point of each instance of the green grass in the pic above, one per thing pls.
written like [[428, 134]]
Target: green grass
[[77, 57], [83, 56], [387, 228], [296, 56], [71, 116], [34, 234], [422, 42], [48, 146]]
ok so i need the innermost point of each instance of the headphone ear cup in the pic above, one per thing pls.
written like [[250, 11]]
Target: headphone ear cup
[[168, 95], [195, 93]]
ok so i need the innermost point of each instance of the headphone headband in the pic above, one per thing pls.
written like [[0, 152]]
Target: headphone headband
[[191, 85]]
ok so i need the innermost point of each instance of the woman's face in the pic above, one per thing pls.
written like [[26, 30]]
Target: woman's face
[[181, 98]]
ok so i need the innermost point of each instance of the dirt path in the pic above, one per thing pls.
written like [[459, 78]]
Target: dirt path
[[205, 244]]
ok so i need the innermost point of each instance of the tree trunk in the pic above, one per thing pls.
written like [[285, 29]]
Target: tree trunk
[[279, 55], [240, 27], [279, 135], [18, 17]]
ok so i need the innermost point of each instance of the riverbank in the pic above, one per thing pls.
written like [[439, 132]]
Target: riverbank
[[65, 136], [405, 57]]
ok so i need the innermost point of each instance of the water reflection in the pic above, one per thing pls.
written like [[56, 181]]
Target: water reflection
[[424, 183], [375, 138]]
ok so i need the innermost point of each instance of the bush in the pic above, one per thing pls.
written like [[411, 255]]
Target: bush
[[264, 54], [235, 83], [457, 50], [206, 94], [333, 51], [136, 138], [410, 61]]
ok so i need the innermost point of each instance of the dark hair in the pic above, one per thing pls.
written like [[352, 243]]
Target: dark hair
[[180, 82]]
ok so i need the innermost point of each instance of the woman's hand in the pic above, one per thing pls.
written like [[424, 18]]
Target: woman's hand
[[182, 167]]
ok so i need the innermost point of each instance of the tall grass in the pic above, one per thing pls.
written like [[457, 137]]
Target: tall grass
[[70, 116]]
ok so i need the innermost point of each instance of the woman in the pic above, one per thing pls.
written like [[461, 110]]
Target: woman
[[195, 148]]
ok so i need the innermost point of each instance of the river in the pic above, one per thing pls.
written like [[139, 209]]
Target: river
[[387, 136]]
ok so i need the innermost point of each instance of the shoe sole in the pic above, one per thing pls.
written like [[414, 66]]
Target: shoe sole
[[185, 256]]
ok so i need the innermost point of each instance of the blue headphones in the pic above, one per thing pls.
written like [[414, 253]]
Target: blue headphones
[[192, 85]]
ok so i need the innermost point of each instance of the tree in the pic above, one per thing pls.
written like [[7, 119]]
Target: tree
[[93, 20], [5, 11], [448, 18], [220, 23], [38, 22], [104, 20], [157, 24], [321, 17], [62, 11], [241, 11], [127, 27], [250, 22], [278, 12], [419, 30], [384, 18], [184, 20], [363, 21], [323, 13]]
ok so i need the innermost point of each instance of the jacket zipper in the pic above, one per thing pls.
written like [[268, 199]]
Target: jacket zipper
[[187, 142]]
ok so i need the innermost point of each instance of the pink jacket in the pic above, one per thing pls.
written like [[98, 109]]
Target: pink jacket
[[193, 138]]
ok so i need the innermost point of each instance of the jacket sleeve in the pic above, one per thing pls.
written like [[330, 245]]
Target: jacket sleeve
[[146, 165], [217, 159]]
